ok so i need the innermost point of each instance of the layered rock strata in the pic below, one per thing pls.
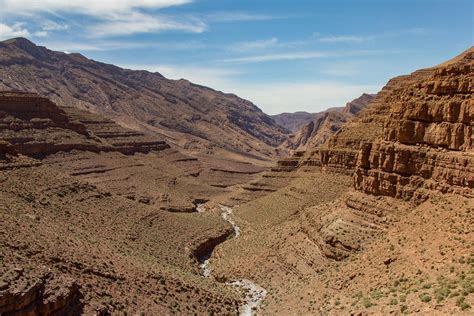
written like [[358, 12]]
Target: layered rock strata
[[427, 140], [34, 126]]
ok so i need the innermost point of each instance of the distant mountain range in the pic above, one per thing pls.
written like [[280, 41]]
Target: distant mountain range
[[312, 129], [296, 120]]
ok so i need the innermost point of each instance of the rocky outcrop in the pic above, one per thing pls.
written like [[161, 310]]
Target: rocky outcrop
[[427, 140], [34, 126], [123, 140], [358, 104], [29, 293], [340, 152], [414, 138]]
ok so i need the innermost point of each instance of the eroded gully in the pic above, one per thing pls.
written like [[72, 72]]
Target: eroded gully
[[254, 294]]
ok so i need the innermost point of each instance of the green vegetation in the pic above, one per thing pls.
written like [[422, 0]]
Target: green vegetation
[[425, 297]]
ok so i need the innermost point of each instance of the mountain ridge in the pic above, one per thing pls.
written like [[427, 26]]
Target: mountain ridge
[[141, 100]]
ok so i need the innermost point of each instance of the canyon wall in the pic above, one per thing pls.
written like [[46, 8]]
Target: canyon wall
[[414, 137], [427, 140]]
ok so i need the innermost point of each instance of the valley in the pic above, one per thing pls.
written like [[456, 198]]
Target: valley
[[123, 192]]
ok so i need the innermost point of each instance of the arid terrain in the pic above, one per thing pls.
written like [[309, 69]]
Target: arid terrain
[[123, 192]]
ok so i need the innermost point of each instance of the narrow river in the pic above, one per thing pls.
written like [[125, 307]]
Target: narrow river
[[254, 294]]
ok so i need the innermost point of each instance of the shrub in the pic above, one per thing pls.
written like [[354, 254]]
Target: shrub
[[425, 297]]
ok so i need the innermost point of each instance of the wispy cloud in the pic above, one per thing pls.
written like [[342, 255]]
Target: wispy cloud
[[275, 57], [299, 56], [14, 30], [96, 8], [365, 38], [104, 18], [135, 22], [238, 17], [253, 45], [110, 45], [108, 18], [345, 39]]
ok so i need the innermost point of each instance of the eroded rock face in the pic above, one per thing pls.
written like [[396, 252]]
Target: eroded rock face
[[356, 105], [307, 145], [322, 125], [427, 141], [28, 292], [34, 126]]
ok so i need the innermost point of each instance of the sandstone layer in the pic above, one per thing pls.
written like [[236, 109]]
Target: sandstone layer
[[427, 140]]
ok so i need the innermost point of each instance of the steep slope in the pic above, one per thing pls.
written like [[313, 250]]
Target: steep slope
[[192, 116], [427, 139], [323, 126], [316, 132], [358, 104], [355, 233]]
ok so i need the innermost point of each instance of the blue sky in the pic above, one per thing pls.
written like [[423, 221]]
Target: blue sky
[[284, 55]]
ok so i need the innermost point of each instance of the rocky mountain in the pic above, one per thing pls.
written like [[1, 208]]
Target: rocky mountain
[[324, 124], [191, 116], [316, 132], [297, 120]]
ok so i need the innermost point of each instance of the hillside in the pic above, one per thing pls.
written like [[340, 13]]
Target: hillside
[[194, 117], [98, 218], [352, 232]]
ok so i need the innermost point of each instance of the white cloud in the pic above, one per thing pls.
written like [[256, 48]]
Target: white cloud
[[98, 7], [345, 39], [74, 47], [254, 45], [110, 45], [49, 25], [237, 17], [366, 38], [102, 18], [275, 57], [14, 30], [41, 34], [135, 22], [106, 17], [298, 56]]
